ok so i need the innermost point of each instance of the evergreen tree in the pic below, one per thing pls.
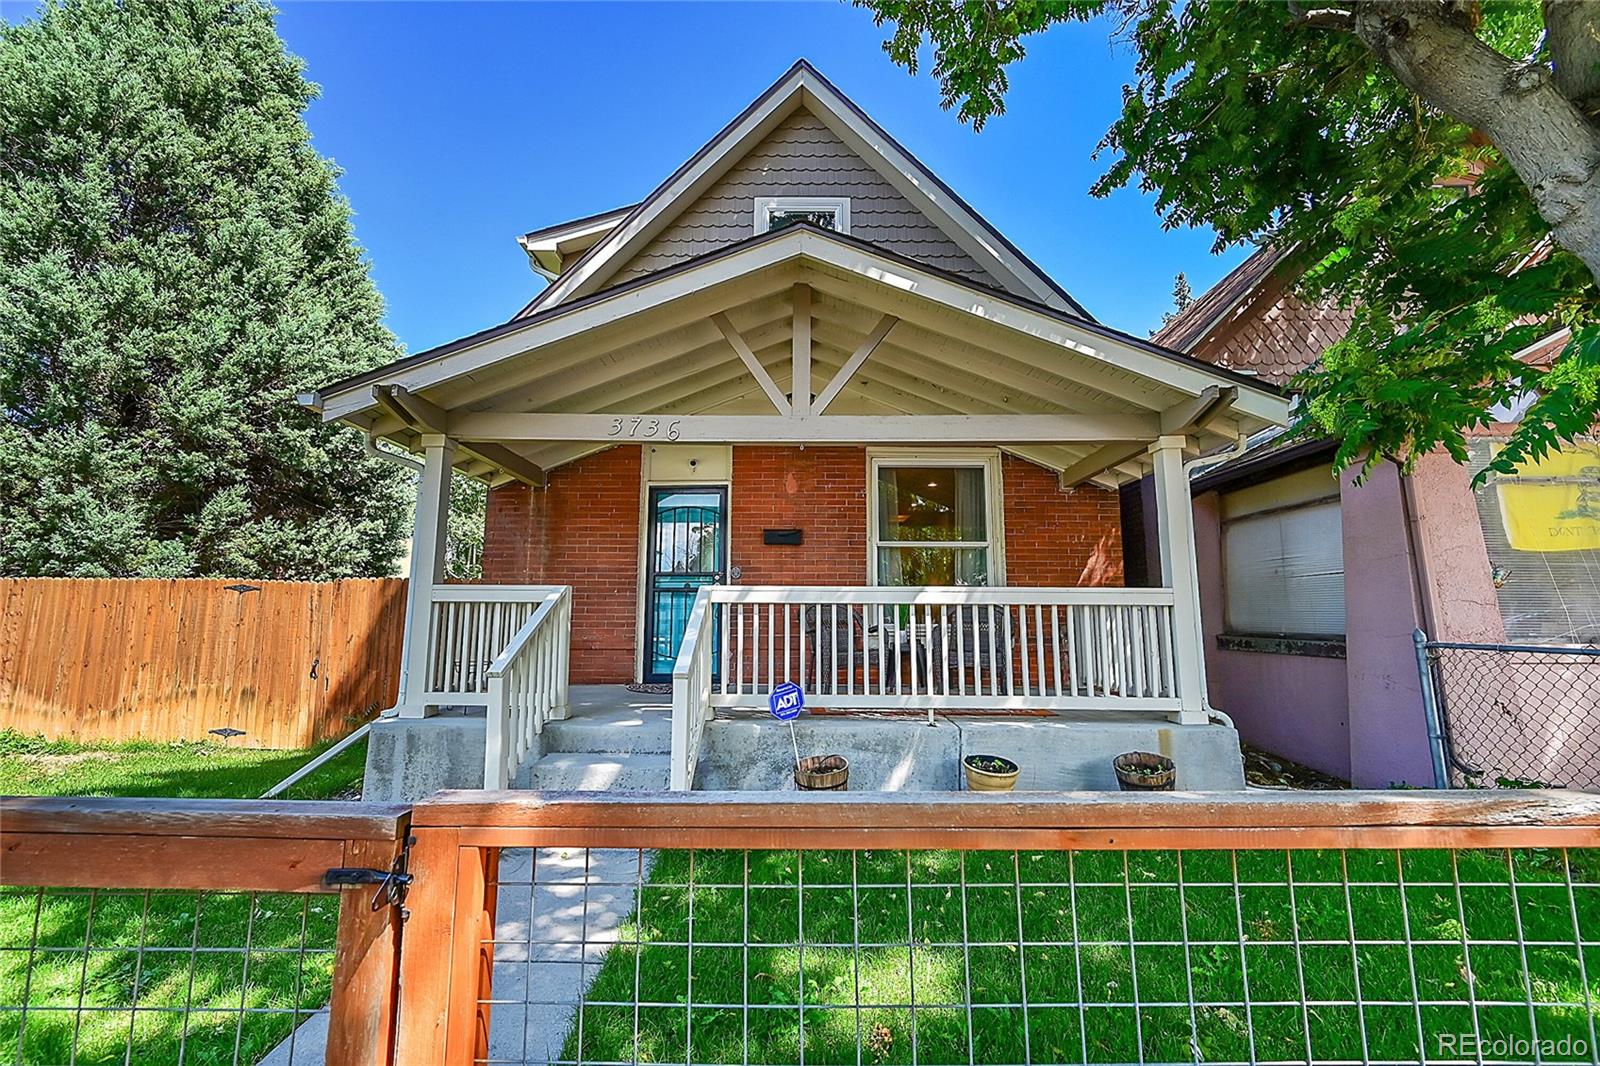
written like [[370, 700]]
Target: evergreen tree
[[1182, 297], [175, 264]]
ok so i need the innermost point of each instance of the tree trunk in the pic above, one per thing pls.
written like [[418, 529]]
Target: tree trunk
[[1550, 143]]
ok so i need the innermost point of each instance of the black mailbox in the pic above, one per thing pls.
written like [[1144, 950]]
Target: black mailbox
[[782, 536]]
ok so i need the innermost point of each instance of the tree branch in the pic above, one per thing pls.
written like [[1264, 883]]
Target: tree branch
[[1572, 33], [1550, 143], [1323, 18]]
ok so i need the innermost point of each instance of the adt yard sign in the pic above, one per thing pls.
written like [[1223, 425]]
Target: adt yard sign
[[786, 701]]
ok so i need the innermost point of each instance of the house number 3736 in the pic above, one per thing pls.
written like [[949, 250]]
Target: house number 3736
[[644, 427]]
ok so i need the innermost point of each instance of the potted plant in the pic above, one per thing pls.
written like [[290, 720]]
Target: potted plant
[[822, 773], [990, 773], [1144, 771]]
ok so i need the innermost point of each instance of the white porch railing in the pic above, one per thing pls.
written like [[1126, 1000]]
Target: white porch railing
[[468, 627], [691, 688], [924, 648], [527, 685]]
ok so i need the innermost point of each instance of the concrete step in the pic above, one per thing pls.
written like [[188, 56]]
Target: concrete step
[[623, 731], [597, 772]]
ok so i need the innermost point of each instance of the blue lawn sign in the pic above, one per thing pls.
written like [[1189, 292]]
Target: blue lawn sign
[[786, 701]]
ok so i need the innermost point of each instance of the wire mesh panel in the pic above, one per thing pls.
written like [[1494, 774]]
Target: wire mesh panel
[[861, 958], [101, 976], [1518, 715]]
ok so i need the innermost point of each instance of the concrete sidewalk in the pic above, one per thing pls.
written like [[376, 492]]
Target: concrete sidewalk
[[558, 913]]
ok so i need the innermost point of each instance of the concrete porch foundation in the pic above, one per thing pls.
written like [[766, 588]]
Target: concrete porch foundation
[[409, 759], [618, 739], [902, 753]]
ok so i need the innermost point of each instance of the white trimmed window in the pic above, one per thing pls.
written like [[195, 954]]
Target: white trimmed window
[[1283, 558], [935, 519], [829, 212]]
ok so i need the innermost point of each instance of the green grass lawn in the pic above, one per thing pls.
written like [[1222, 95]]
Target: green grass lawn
[[1320, 955], [160, 977], [32, 766]]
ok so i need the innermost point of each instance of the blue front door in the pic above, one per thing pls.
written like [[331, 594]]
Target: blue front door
[[688, 548]]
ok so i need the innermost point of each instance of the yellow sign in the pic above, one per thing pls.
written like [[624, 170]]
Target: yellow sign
[[1553, 505]]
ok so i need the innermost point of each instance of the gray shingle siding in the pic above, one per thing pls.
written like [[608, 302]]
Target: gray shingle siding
[[803, 157]]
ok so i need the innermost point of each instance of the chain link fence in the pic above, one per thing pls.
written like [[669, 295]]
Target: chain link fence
[[1512, 715]]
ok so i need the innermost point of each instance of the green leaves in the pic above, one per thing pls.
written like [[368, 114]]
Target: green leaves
[[1267, 130], [973, 43], [175, 264]]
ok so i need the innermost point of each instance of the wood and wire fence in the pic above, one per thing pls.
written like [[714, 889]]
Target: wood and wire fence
[[182, 931], [289, 663], [729, 929]]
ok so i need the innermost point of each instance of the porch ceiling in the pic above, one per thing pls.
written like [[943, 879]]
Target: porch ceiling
[[699, 341]]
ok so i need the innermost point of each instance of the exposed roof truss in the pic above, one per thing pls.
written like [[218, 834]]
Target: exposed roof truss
[[804, 337]]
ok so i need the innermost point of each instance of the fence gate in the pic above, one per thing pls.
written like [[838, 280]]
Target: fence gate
[[820, 929], [1511, 715]]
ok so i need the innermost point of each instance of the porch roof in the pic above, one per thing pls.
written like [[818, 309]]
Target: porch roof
[[872, 339]]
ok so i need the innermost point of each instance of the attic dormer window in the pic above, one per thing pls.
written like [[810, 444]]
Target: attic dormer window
[[828, 212]]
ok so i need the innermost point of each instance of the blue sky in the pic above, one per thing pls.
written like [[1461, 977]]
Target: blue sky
[[461, 125]]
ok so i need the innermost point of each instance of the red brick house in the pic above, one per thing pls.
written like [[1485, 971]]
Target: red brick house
[[801, 400]]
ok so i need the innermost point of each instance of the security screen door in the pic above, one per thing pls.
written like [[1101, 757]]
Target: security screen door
[[688, 548]]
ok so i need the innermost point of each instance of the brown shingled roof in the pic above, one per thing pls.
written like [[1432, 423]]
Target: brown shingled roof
[[1251, 321], [1193, 322]]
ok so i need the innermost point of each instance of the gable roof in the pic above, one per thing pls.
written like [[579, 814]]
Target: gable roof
[[549, 248], [1252, 321], [1129, 353], [717, 336], [1189, 326], [802, 158], [803, 86]]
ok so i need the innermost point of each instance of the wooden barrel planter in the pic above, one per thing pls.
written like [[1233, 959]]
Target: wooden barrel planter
[[1144, 771], [990, 773], [822, 773]]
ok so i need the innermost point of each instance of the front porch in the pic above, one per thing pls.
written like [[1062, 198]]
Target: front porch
[[615, 739], [804, 459]]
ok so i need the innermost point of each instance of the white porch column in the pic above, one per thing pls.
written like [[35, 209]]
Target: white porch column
[[427, 570], [1175, 530]]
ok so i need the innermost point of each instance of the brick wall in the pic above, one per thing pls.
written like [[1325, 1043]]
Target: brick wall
[[820, 490], [583, 530], [1056, 538]]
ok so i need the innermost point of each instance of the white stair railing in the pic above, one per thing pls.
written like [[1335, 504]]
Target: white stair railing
[[527, 686], [468, 627], [691, 689]]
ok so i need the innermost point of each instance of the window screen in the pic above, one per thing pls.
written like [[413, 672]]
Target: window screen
[[1284, 572]]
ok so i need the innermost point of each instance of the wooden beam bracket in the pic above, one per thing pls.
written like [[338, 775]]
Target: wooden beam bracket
[[748, 357], [851, 365], [424, 416]]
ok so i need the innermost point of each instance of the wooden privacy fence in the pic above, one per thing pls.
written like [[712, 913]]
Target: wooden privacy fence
[[731, 928], [288, 662]]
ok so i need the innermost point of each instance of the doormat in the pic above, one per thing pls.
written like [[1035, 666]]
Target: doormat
[[653, 689]]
